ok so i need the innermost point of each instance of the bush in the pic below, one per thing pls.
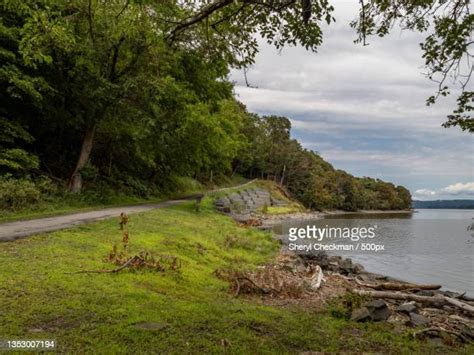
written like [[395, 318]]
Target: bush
[[18, 193]]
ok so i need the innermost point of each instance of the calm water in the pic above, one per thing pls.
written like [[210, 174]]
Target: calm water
[[429, 246]]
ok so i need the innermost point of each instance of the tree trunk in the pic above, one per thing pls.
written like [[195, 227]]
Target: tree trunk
[[283, 175], [75, 182]]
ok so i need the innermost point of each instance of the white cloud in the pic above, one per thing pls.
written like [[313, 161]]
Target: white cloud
[[425, 192], [466, 189], [459, 188]]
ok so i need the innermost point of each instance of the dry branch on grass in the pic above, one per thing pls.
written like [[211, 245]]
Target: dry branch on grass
[[440, 330], [130, 262], [275, 280], [142, 260]]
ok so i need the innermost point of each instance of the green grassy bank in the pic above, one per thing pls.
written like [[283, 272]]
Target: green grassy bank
[[184, 311]]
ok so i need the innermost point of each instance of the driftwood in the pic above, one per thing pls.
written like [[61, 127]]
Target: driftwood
[[397, 286], [439, 300], [455, 302], [439, 329], [316, 279]]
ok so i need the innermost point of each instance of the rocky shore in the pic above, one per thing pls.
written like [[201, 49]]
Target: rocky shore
[[320, 281], [269, 221], [314, 280]]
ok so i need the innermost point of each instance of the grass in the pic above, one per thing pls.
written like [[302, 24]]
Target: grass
[[275, 210], [186, 311]]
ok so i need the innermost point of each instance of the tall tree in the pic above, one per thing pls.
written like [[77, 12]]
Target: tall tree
[[102, 55], [232, 26]]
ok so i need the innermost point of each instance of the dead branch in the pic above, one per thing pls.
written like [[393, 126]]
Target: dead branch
[[120, 268], [396, 286], [439, 329]]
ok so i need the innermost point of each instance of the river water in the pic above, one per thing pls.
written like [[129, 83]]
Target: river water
[[428, 246]]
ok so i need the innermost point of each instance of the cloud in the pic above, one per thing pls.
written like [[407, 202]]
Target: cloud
[[466, 189], [425, 192], [459, 188], [363, 108]]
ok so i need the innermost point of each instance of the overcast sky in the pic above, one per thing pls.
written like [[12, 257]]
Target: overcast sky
[[363, 108]]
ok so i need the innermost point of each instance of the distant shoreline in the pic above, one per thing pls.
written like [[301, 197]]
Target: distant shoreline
[[463, 204], [337, 212], [272, 220]]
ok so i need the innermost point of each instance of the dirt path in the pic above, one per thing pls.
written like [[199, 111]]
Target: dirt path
[[21, 229]]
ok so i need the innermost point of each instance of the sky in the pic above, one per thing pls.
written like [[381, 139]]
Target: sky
[[363, 108]]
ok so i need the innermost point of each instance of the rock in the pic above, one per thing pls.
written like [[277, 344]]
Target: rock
[[376, 304], [407, 308], [378, 310], [417, 320], [358, 268], [380, 314], [366, 277], [452, 294], [320, 259], [360, 315], [346, 266]]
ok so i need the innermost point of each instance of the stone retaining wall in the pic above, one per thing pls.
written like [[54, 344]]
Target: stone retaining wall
[[246, 201]]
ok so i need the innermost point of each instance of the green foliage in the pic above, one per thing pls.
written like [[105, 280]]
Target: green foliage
[[17, 159], [16, 194], [272, 154], [14, 160]]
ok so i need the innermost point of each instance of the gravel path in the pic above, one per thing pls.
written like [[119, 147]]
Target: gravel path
[[21, 229]]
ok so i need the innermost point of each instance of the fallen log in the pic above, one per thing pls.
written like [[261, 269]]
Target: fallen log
[[455, 302], [438, 300], [397, 286]]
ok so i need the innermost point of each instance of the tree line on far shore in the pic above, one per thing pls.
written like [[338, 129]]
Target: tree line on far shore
[[98, 104]]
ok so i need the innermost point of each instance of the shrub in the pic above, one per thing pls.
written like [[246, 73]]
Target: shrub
[[18, 193]]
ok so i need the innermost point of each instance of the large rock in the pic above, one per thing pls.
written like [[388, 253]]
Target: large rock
[[407, 308], [320, 259], [357, 268], [378, 310], [348, 267], [360, 315], [417, 320]]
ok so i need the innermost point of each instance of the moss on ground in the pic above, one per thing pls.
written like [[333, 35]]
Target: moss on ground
[[189, 311], [276, 210]]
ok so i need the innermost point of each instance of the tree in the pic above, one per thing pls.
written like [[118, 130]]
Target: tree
[[230, 26], [102, 56]]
